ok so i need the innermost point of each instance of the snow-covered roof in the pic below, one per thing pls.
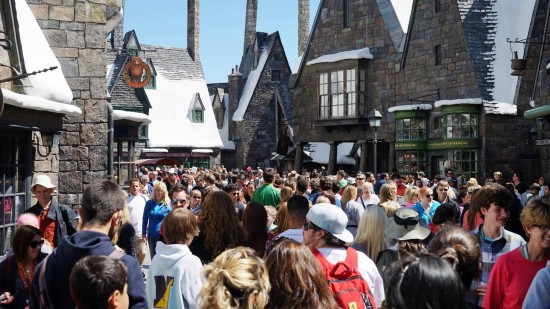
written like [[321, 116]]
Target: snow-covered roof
[[298, 61], [155, 150], [224, 131], [440, 103], [38, 55], [363, 53], [201, 150], [250, 86], [403, 9], [39, 104], [172, 124], [131, 116], [411, 107], [500, 108], [319, 153], [487, 25]]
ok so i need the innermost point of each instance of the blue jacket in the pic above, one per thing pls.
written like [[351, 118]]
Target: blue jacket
[[62, 260], [153, 214]]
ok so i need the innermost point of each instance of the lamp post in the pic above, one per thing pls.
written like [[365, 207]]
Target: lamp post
[[375, 119]]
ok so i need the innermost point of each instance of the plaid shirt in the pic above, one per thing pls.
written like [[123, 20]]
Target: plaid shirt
[[490, 251]]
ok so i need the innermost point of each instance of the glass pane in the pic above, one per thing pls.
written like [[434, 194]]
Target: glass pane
[[421, 134], [399, 124], [406, 123], [465, 119], [473, 119]]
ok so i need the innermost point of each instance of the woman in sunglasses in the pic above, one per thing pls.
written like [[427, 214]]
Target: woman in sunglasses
[[18, 269], [426, 206]]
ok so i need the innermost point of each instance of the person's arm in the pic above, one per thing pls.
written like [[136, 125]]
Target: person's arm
[[495, 287], [145, 219], [136, 287]]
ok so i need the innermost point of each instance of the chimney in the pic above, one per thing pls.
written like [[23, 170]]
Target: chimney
[[303, 25], [250, 23], [234, 91], [193, 29], [117, 36]]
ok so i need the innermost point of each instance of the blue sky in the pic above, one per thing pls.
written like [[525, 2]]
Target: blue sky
[[221, 28]]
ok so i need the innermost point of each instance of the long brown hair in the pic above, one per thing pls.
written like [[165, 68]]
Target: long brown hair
[[219, 221], [282, 219], [255, 226], [297, 280], [22, 240]]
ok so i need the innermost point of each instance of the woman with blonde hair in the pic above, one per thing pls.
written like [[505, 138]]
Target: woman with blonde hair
[[297, 280], [125, 238], [156, 209], [411, 196], [286, 194], [238, 279], [370, 238], [353, 210], [388, 200]]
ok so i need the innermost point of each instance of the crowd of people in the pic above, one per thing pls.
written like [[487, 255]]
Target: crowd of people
[[262, 239]]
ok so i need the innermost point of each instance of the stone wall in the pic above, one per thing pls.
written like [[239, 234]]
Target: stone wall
[[75, 31]]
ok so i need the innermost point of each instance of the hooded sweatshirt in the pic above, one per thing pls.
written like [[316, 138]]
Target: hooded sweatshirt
[[62, 260], [174, 278]]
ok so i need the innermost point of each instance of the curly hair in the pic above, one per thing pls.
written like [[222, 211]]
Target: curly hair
[[296, 278], [233, 278], [218, 210]]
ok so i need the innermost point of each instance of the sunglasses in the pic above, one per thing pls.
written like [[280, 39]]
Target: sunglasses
[[36, 243], [236, 193], [429, 195], [196, 196], [443, 190], [178, 200], [360, 178], [308, 225]]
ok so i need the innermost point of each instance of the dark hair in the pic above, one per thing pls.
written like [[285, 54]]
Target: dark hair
[[301, 185], [297, 280], [461, 249], [177, 189], [22, 239], [445, 213], [487, 195], [100, 201], [230, 187], [255, 226], [326, 183], [218, 210], [335, 186], [269, 175], [341, 173], [408, 280], [94, 278], [329, 196], [298, 207], [314, 184]]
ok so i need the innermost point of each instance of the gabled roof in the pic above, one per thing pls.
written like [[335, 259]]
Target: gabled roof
[[131, 41], [263, 45], [196, 102], [217, 98], [176, 63]]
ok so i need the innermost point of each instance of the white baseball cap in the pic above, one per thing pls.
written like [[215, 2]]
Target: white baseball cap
[[331, 219]]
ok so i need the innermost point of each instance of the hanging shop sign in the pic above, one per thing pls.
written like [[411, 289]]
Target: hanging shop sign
[[137, 73]]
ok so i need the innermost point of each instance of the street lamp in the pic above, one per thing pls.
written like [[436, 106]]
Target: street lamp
[[375, 119]]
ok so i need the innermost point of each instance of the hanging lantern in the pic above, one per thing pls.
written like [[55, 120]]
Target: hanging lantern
[[518, 65]]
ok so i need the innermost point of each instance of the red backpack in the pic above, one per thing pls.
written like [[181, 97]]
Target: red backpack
[[349, 288]]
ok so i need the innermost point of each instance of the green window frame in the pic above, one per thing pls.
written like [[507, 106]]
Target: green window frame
[[464, 125], [410, 129], [198, 115], [410, 161], [464, 162]]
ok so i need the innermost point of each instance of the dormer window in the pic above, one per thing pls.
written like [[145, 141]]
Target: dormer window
[[153, 80], [197, 109]]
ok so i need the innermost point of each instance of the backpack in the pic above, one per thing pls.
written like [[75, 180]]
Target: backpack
[[349, 288]]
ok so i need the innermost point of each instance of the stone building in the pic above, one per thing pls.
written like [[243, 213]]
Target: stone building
[[440, 79], [54, 122]]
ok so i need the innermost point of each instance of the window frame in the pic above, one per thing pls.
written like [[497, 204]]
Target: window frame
[[196, 112], [275, 75], [420, 132], [459, 128], [344, 86], [458, 163]]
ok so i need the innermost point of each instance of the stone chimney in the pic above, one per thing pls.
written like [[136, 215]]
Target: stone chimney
[[250, 23], [117, 36], [193, 29], [303, 25], [235, 91]]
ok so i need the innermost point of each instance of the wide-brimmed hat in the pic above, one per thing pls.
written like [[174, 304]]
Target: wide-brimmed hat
[[405, 225], [331, 219], [43, 180]]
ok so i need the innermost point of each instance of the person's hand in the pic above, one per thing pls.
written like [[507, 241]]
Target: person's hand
[[6, 298], [481, 289]]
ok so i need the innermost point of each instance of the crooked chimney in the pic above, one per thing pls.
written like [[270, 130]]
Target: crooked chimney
[[193, 29], [250, 23], [303, 25]]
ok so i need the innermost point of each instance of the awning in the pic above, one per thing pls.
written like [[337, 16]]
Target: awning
[[131, 116], [202, 150], [157, 161], [39, 104], [277, 157]]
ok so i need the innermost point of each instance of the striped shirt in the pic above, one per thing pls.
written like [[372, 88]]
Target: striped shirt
[[490, 251]]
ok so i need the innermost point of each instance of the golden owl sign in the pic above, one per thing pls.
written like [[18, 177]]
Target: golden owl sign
[[137, 73]]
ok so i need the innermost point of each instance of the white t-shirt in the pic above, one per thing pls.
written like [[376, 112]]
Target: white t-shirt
[[136, 205], [295, 234], [366, 266]]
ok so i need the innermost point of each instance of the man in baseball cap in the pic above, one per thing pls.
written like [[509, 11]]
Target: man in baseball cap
[[325, 231]]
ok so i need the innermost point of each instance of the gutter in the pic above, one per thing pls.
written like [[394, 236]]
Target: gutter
[[110, 140]]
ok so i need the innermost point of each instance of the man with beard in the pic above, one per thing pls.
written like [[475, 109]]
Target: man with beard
[[102, 204]]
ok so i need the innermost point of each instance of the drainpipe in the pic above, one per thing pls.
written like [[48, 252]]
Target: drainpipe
[[110, 140]]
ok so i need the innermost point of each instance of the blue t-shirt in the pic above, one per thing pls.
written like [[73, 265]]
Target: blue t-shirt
[[153, 214]]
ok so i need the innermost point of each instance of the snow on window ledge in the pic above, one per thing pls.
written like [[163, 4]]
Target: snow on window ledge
[[39, 104]]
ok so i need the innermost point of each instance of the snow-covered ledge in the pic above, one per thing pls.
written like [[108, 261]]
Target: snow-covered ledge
[[363, 53], [39, 104], [154, 150], [131, 116], [500, 108], [440, 103], [411, 107]]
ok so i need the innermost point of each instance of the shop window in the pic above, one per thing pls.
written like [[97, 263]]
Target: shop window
[[463, 162], [124, 162], [411, 161], [339, 95], [410, 129], [462, 126], [14, 171]]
